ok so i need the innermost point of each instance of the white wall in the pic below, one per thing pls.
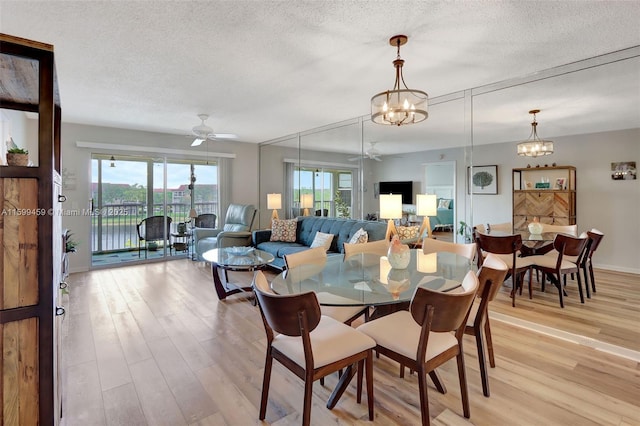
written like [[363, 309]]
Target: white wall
[[243, 172]]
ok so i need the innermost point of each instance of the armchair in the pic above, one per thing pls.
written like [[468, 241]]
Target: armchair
[[235, 232]]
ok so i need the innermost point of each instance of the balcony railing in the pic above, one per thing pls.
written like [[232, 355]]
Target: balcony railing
[[113, 227]]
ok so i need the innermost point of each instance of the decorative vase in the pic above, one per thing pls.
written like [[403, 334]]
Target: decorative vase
[[535, 227], [14, 159], [399, 254]]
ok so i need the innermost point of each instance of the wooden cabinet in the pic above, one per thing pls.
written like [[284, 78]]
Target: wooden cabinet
[[548, 193], [30, 243]]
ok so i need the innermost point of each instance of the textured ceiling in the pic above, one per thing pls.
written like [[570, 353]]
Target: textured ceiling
[[264, 69]]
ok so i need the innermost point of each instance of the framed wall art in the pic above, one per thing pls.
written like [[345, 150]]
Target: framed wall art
[[483, 180]]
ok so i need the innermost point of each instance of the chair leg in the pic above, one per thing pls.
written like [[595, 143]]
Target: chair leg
[[560, 291], [370, 400], [463, 384], [580, 286], [593, 280], [530, 286], [266, 380], [401, 371], [359, 382], [435, 378], [424, 397], [487, 337], [586, 279], [482, 361], [308, 393]]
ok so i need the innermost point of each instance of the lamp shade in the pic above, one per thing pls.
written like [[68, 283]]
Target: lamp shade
[[306, 201], [193, 214], [274, 201], [426, 205], [390, 206]]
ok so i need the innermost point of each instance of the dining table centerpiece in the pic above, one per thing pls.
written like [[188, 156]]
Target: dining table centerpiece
[[399, 254]]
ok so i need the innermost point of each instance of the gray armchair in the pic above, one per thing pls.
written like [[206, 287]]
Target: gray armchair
[[236, 231]]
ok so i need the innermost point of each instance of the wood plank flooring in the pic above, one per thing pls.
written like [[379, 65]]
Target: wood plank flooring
[[152, 345]]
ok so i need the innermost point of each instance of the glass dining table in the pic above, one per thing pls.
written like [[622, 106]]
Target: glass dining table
[[367, 279], [532, 244]]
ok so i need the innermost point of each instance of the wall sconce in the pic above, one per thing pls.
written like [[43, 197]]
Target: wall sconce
[[390, 208], [426, 205], [274, 202], [113, 161], [306, 202]]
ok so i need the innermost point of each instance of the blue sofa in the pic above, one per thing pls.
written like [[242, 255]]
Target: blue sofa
[[306, 229]]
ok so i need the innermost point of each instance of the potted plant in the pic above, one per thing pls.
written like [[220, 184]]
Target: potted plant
[[465, 231], [17, 157]]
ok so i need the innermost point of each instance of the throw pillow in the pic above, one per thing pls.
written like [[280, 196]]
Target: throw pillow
[[283, 230], [361, 236], [407, 232], [322, 240], [444, 204]]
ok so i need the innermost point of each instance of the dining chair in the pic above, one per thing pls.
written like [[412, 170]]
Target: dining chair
[[559, 267], [380, 247], [309, 344], [427, 335], [561, 229], [429, 245], [318, 256], [507, 248], [595, 237], [490, 277]]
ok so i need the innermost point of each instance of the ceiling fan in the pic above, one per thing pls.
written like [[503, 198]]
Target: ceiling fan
[[202, 132], [372, 153]]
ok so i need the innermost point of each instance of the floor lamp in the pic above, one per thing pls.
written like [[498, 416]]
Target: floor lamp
[[426, 205], [390, 208], [274, 202], [306, 202]]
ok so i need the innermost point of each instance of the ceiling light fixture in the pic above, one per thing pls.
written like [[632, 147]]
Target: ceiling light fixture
[[534, 146], [400, 105]]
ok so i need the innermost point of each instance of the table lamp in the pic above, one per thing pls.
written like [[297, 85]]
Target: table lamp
[[274, 202], [426, 205], [306, 202], [390, 208], [193, 215]]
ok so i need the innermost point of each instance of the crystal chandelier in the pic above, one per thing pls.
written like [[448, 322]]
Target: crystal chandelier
[[534, 146], [400, 105]]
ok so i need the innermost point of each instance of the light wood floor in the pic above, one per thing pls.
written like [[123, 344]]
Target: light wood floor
[[152, 345]]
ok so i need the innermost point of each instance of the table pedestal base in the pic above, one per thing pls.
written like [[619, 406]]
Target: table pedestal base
[[227, 289]]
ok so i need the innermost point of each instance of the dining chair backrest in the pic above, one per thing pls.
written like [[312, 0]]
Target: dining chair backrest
[[429, 245], [492, 273], [564, 229], [596, 238], [567, 245], [314, 256], [380, 247], [284, 313], [450, 310], [260, 282], [505, 227], [505, 244]]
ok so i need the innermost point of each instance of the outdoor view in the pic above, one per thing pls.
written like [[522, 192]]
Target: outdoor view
[[126, 190], [331, 190]]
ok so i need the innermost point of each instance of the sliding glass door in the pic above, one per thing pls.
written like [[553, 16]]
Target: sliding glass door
[[126, 190]]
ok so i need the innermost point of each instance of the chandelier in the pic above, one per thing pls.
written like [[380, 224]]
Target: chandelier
[[534, 146], [400, 105]]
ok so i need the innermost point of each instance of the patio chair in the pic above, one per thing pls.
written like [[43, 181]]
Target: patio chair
[[152, 229]]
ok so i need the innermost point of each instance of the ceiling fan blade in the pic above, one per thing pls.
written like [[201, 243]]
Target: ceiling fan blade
[[376, 157], [197, 142], [224, 136], [354, 159]]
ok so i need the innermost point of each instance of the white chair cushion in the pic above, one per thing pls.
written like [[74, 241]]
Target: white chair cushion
[[400, 333], [340, 313], [331, 341], [550, 262]]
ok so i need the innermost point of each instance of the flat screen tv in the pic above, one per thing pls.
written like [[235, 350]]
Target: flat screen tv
[[404, 188]]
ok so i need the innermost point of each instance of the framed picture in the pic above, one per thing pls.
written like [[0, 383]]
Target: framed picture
[[624, 170], [559, 183], [483, 180]]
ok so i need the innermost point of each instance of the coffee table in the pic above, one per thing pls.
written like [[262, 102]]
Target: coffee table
[[234, 259]]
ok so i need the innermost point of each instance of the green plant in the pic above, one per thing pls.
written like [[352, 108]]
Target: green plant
[[465, 230], [342, 208], [70, 243], [17, 151]]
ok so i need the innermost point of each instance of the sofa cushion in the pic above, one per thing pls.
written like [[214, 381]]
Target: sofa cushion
[[407, 232], [322, 240], [284, 230]]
